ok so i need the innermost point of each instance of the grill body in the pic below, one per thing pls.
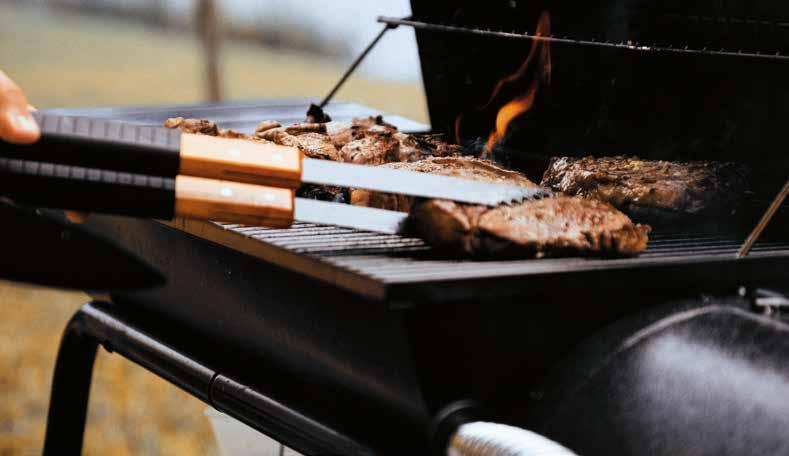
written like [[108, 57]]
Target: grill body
[[369, 333]]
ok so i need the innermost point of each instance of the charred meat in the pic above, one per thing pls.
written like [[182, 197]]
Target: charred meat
[[414, 148], [464, 167], [649, 190], [372, 149], [313, 145], [550, 227], [202, 127]]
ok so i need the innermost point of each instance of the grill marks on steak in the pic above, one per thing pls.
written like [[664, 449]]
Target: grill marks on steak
[[651, 190], [464, 167], [549, 227]]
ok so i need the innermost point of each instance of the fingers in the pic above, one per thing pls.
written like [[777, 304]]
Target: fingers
[[76, 217], [16, 123]]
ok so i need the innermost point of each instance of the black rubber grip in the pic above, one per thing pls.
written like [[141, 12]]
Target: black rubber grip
[[93, 143], [86, 189]]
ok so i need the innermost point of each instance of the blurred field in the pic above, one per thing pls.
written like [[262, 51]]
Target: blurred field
[[67, 60]]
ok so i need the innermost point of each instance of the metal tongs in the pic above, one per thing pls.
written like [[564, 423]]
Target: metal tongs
[[108, 167]]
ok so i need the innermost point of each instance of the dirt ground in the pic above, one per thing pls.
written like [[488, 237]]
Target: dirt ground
[[67, 60]]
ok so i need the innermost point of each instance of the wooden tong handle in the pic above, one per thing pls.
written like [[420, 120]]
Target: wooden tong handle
[[233, 202], [240, 160]]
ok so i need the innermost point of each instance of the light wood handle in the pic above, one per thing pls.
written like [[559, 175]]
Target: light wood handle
[[240, 160], [233, 202]]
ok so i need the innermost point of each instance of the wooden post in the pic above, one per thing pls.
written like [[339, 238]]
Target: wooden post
[[210, 34]]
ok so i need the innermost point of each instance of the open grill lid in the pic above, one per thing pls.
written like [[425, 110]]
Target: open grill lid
[[608, 100]]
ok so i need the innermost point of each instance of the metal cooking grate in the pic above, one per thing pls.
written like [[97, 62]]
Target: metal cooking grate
[[396, 259]]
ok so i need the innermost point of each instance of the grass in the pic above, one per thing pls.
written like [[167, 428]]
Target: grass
[[69, 60]]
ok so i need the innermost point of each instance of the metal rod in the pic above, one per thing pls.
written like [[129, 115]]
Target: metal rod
[[765, 220], [630, 46], [68, 402], [355, 64]]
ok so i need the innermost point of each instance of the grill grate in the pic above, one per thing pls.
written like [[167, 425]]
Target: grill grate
[[395, 259]]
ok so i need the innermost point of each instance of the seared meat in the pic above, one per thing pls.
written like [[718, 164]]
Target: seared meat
[[373, 149], [466, 167], [655, 191], [340, 133], [323, 193], [266, 125], [558, 226], [418, 147], [314, 145], [202, 127], [368, 122], [301, 128]]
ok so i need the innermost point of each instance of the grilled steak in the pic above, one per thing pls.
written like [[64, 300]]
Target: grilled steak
[[202, 127], [654, 191], [314, 145], [414, 148], [466, 167], [372, 149], [550, 227]]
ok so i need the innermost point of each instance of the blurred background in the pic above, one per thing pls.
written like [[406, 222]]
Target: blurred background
[[85, 53]]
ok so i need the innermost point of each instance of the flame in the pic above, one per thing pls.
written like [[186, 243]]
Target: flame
[[522, 103], [507, 113]]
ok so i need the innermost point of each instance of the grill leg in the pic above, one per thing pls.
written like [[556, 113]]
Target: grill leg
[[68, 403]]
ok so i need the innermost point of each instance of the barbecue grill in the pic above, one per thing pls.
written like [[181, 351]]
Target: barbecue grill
[[337, 341]]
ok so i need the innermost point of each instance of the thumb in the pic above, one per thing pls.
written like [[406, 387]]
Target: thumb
[[16, 123]]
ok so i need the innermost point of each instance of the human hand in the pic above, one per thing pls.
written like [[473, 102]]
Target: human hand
[[16, 123]]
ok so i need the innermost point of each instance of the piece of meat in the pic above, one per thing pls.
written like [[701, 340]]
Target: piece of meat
[[323, 193], [375, 149], [313, 145], [651, 190], [549, 227], [368, 122], [301, 128], [266, 125], [195, 126], [340, 133], [418, 147], [203, 127], [465, 167]]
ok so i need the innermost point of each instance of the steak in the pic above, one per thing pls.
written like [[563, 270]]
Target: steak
[[202, 127], [650, 190], [465, 167], [372, 149], [556, 226], [549, 227]]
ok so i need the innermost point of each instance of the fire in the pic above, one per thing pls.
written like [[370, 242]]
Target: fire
[[523, 103], [505, 115]]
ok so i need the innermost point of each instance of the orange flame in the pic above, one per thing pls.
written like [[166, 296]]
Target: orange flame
[[507, 113], [523, 103]]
